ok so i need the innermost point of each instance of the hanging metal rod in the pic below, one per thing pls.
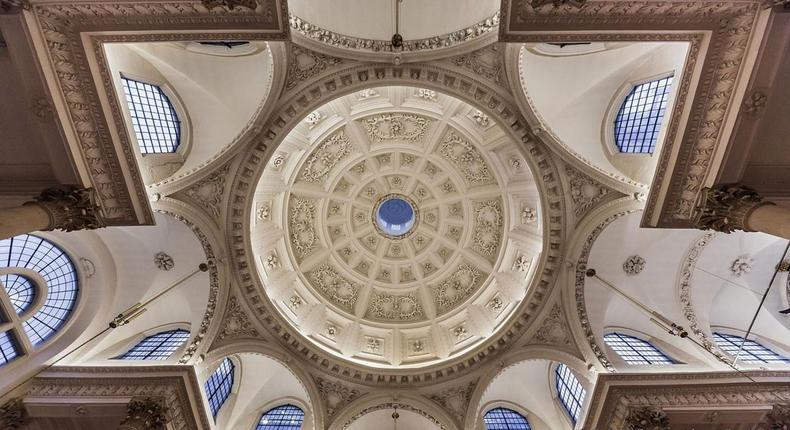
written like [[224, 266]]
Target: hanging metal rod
[[125, 317]]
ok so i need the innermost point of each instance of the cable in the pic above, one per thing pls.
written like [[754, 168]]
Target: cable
[[762, 301], [122, 319]]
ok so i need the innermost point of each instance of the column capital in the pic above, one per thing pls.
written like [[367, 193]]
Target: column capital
[[70, 208], [725, 207], [646, 418], [779, 417], [145, 414], [12, 415]]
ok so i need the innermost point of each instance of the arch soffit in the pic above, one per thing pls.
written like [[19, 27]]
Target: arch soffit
[[374, 402], [208, 235], [529, 353], [293, 366], [330, 84], [577, 253]]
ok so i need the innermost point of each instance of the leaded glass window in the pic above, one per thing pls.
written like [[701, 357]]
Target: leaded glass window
[[505, 419], [570, 391], [752, 352], [286, 417], [638, 121], [18, 255], [634, 350], [157, 347], [219, 385], [154, 119]]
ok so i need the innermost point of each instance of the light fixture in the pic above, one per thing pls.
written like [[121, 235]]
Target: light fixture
[[395, 417], [397, 39]]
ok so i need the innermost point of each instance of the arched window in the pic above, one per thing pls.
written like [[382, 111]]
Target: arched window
[[752, 352], [505, 419], [635, 351], [19, 257], [638, 121], [154, 119], [570, 391], [157, 347], [286, 417], [219, 385]]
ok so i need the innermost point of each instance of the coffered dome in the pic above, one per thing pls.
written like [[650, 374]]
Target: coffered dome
[[397, 226]]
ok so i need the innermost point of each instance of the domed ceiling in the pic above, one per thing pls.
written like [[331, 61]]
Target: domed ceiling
[[400, 229]]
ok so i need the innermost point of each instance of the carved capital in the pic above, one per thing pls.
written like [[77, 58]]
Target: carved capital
[[14, 6], [778, 418], [70, 208], [726, 207], [647, 418], [12, 415], [145, 414]]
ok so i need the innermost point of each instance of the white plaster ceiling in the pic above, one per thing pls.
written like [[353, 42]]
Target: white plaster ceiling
[[375, 19], [380, 300], [718, 296], [591, 84]]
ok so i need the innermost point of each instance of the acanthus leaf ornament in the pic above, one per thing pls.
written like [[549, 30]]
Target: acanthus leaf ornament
[[145, 414], [12, 415], [70, 208], [726, 207], [647, 418]]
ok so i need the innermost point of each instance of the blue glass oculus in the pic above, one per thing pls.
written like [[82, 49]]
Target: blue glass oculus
[[395, 216]]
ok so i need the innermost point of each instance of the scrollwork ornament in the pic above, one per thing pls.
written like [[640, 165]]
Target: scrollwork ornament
[[230, 4], [70, 208], [726, 207], [647, 418]]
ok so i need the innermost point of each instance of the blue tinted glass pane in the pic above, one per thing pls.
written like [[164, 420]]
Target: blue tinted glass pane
[[505, 419], [219, 386], [154, 119], [20, 290], [639, 119], [157, 347], [287, 417], [752, 352], [42, 256], [570, 391], [395, 216], [634, 350], [9, 349]]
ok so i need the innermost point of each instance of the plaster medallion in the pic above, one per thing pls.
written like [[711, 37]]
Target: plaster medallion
[[741, 266], [163, 261], [634, 265]]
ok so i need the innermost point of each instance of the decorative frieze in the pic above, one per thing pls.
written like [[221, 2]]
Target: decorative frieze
[[448, 40], [304, 63], [207, 193], [335, 395], [396, 126], [236, 323]]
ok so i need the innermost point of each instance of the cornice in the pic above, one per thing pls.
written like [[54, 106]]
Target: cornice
[[719, 33], [178, 386], [113, 171]]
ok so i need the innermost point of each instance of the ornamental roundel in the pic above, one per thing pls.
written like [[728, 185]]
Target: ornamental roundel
[[397, 222]]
